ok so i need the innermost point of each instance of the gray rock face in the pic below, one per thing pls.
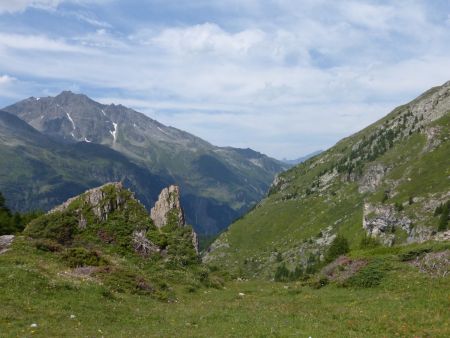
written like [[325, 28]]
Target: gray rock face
[[381, 221], [434, 106], [97, 202], [372, 178], [168, 204], [433, 141], [5, 243]]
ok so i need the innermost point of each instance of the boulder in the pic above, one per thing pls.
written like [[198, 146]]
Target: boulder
[[5, 243]]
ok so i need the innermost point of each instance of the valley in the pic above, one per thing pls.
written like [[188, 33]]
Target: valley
[[355, 239]]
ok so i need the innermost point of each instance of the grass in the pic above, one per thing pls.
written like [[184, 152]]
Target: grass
[[405, 302]]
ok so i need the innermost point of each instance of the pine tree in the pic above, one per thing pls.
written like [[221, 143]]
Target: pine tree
[[338, 247], [443, 220]]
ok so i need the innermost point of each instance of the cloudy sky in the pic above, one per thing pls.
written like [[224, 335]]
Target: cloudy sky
[[285, 77]]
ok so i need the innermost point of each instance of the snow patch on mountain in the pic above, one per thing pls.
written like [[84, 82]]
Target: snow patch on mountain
[[114, 132], [71, 121]]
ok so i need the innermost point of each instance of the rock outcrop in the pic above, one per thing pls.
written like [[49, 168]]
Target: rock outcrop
[[372, 177], [5, 243], [382, 221], [101, 201], [120, 219], [168, 208]]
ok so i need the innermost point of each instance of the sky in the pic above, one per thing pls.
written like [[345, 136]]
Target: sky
[[284, 77]]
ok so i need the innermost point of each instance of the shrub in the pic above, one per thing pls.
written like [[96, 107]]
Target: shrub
[[398, 206], [311, 265], [12, 223], [123, 281], [338, 247], [47, 245], [279, 257], [56, 226], [282, 273], [385, 197], [369, 276], [77, 257], [413, 254], [443, 220], [318, 282], [368, 242]]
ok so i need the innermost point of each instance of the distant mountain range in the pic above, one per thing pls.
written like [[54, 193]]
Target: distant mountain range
[[301, 159], [55, 147]]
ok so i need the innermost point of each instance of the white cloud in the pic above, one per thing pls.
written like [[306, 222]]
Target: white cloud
[[11, 6], [285, 83], [208, 38], [37, 42], [6, 79]]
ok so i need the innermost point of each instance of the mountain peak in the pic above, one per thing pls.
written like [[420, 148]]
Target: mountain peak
[[67, 95]]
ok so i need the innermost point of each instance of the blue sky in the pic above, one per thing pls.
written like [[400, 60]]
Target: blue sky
[[285, 77]]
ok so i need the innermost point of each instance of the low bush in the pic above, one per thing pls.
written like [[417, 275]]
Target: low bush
[[56, 226], [413, 254], [338, 247], [78, 257], [318, 282], [122, 281], [47, 245], [368, 242], [369, 276]]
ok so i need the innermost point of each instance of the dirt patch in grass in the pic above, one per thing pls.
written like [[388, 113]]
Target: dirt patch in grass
[[343, 268]]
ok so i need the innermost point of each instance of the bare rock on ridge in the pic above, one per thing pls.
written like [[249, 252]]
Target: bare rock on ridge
[[99, 202], [168, 206], [168, 210]]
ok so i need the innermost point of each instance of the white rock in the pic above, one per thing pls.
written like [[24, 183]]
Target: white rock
[[33, 325]]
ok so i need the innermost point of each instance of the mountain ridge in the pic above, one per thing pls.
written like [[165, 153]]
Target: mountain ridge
[[218, 183], [383, 182]]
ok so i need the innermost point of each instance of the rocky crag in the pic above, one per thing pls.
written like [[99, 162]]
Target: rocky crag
[[116, 218], [168, 204]]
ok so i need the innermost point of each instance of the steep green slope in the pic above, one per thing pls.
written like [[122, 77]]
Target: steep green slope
[[384, 182]]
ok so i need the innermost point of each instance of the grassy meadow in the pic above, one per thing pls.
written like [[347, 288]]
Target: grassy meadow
[[36, 289]]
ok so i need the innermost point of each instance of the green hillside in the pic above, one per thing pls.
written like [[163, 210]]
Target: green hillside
[[383, 183]]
